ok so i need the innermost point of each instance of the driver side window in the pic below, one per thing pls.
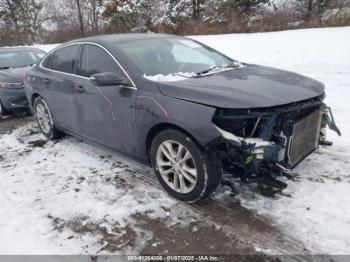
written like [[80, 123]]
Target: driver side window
[[95, 60]]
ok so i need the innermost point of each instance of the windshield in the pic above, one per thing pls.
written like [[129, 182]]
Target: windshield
[[168, 56], [19, 58]]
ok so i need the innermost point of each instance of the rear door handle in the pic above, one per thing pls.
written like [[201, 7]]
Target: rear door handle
[[46, 81], [79, 88]]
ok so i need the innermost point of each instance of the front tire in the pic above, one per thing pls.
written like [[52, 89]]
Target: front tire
[[44, 119], [182, 167]]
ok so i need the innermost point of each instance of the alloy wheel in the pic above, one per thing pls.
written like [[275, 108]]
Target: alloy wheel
[[176, 166], [43, 117]]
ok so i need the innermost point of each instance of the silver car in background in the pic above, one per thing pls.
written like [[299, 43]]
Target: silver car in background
[[14, 64]]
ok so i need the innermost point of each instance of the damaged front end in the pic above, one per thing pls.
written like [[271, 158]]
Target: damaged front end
[[260, 144]]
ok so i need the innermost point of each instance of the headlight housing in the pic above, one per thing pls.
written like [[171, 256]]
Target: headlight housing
[[242, 125], [11, 85]]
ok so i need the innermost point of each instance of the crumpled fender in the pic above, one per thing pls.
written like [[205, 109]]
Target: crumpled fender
[[154, 109]]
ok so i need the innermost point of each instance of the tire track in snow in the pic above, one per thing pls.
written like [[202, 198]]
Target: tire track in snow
[[255, 230], [235, 220]]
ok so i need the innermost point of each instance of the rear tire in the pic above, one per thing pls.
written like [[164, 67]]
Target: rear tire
[[2, 110], [182, 167], [44, 119]]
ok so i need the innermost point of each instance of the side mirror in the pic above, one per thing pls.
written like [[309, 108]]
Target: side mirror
[[109, 79]]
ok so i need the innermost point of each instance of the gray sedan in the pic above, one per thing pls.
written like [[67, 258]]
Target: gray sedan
[[14, 63], [187, 110]]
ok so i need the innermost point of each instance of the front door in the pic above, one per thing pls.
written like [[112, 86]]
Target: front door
[[105, 113]]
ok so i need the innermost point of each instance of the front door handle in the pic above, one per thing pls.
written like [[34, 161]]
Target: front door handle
[[79, 88], [47, 81]]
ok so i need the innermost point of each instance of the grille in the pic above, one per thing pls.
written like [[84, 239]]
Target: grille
[[305, 137]]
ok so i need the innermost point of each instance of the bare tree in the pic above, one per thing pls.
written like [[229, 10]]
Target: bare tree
[[197, 7], [23, 18], [94, 16], [92, 13], [28, 21], [239, 13], [78, 4], [129, 15], [67, 19], [312, 10]]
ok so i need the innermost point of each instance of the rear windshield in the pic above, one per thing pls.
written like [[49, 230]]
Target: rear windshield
[[19, 58]]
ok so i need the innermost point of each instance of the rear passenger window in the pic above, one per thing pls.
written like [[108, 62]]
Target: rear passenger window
[[47, 62], [95, 60], [64, 59]]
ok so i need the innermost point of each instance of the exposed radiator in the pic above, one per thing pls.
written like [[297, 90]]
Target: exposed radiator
[[305, 137]]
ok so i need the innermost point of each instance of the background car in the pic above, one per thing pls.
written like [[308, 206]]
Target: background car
[[14, 63], [186, 109]]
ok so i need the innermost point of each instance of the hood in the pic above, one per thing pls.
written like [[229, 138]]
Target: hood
[[251, 86], [13, 75]]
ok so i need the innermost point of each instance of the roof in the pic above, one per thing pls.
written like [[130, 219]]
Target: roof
[[19, 48], [121, 37]]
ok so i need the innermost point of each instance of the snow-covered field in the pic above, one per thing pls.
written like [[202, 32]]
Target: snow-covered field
[[318, 209], [65, 184], [47, 48], [51, 193]]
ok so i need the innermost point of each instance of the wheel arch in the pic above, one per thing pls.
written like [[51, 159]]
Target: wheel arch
[[34, 96], [156, 129]]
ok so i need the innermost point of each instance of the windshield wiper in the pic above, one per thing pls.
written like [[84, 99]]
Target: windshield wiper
[[27, 65], [200, 73], [4, 67]]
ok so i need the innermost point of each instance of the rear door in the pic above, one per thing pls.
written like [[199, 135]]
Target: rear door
[[105, 113], [60, 81]]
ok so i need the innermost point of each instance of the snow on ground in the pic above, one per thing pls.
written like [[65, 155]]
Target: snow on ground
[[57, 192], [318, 209], [53, 194]]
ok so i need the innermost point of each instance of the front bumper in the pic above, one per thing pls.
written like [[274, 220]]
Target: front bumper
[[246, 158], [13, 99], [292, 142]]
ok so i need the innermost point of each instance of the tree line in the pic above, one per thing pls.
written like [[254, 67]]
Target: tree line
[[46, 21]]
